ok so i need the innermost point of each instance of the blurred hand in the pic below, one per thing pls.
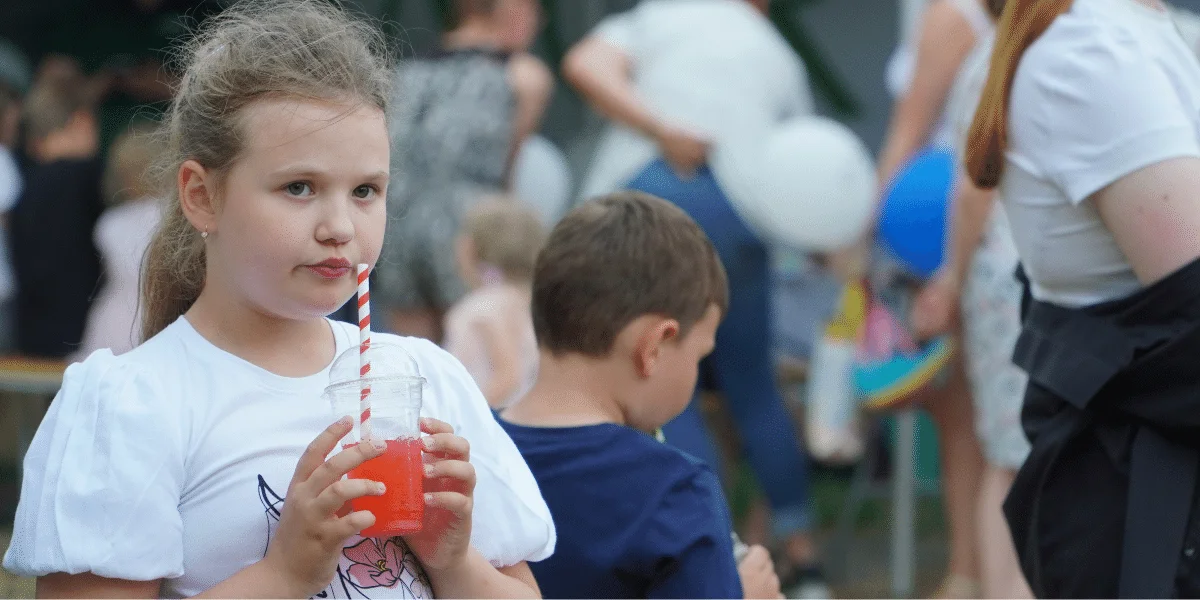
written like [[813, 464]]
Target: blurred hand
[[683, 150], [936, 309], [758, 575], [850, 263]]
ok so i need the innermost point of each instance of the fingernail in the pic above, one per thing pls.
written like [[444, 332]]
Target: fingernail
[[428, 498], [380, 488], [379, 444], [427, 443], [345, 421], [429, 470]]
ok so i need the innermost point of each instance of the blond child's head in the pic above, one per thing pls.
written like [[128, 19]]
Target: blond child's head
[[499, 241]]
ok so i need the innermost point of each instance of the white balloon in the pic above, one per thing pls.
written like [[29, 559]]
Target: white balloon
[[811, 184], [542, 177]]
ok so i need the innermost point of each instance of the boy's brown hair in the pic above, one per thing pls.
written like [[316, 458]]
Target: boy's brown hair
[[614, 259]]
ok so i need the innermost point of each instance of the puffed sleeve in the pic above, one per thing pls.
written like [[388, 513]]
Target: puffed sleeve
[[102, 479]]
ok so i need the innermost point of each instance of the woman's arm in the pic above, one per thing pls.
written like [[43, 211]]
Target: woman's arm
[[969, 216], [946, 38], [1154, 214], [602, 74], [532, 85]]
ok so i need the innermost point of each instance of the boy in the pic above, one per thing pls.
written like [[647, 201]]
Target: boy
[[627, 296]]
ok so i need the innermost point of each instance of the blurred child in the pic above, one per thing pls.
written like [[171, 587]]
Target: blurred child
[[627, 296], [490, 329], [122, 235], [55, 262]]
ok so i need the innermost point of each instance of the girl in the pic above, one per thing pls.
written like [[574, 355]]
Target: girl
[[196, 463], [122, 235], [490, 330], [978, 279], [473, 103], [1090, 128]]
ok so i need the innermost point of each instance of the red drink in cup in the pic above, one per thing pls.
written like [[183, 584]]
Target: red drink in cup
[[402, 508], [395, 410]]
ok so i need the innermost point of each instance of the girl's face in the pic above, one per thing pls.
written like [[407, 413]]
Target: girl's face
[[301, 207]]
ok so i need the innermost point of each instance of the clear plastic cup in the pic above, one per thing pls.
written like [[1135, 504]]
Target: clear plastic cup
[[395, 396]]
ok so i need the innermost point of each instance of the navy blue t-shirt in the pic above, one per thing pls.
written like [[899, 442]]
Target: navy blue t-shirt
[[635, 518]]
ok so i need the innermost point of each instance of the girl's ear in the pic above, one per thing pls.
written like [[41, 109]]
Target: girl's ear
[[197, 187]]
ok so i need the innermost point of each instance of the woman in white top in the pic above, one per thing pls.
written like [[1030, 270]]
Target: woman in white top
[[1090, 127], [921, 77], [196, 464]]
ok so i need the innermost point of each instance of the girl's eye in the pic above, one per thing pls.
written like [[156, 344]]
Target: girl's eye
[[363, 192], [298, 188]]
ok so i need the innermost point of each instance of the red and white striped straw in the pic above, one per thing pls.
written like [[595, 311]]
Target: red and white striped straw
[[364, 344]]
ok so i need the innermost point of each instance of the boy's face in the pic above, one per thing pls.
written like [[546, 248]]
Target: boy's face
[[672, 380]]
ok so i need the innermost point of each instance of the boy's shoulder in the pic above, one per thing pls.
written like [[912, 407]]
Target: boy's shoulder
[[609, 451]]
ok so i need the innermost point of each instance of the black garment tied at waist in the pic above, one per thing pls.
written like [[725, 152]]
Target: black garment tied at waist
[[1101, 506]]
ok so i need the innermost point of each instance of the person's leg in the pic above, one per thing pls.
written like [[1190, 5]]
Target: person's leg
[[1000, 570], [962, 470]]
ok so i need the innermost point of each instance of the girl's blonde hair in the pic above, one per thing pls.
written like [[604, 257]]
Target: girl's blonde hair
[[1021, 23], [506, 235], [307, 49], [129, 174]]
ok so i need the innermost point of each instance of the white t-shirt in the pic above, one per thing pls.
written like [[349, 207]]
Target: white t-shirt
[[717, 67], [1108, 89], [171, 461]]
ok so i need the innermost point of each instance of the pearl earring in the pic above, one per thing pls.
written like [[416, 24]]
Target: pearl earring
[[204, 234]]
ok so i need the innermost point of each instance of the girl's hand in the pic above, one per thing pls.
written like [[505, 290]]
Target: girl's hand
[[313, 527], [935, 311], [445, 538]]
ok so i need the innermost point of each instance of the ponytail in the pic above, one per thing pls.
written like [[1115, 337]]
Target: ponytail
[[173, 271], [1021, 23]]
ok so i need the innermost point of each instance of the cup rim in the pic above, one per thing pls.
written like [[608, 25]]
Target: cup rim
[[356, 384]]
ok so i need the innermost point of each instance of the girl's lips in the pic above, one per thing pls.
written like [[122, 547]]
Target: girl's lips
[[329, 272]]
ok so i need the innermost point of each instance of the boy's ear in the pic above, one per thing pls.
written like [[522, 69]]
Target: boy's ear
[[647, 351]]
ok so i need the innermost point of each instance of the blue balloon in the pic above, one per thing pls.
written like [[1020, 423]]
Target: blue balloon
[[912, 221]]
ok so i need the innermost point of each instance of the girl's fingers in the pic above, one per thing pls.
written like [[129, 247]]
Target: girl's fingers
[[342, 462], [454, 502], [434, 426], [344, 490], [448, 445], [353, 523], [314, 455], [458, 470]]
